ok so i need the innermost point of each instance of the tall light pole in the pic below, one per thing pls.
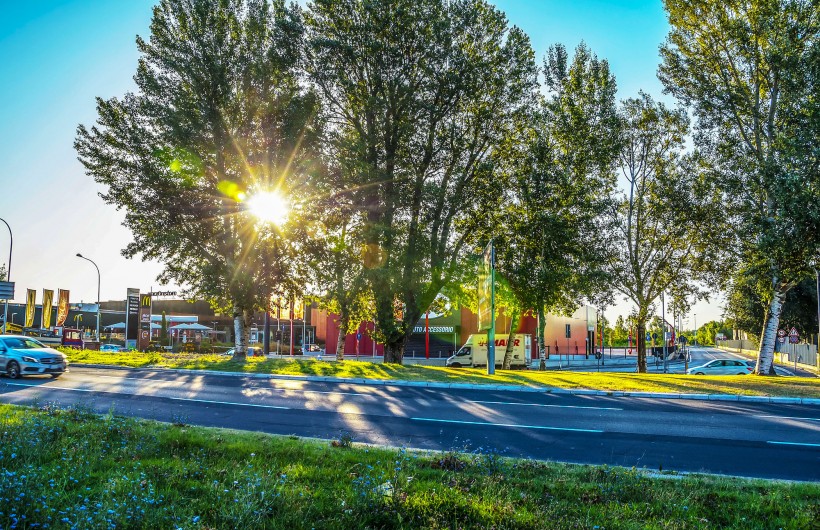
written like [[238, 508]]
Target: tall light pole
[[98, 292], [8, 274]]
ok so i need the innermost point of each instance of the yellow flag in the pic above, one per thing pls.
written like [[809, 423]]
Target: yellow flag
[[48, 302], [31, 297]]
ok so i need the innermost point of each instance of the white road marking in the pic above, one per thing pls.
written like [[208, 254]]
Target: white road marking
[[185, 383], [785, 417], [507, 425], [544, 405], [794, 443], [193, 400]]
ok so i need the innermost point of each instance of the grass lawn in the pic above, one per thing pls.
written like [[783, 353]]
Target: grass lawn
[[611, 381], [67, 468]]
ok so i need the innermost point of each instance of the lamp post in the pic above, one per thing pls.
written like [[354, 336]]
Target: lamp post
[[696, 328], [8, 274], [98, 293]]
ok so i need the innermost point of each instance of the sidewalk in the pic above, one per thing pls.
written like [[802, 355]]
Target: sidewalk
[[470, 386]]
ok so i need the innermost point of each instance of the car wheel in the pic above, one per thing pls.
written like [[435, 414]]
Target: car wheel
[[55, 376], [455, 365], [699, 373], [13, 370], [741, 373]]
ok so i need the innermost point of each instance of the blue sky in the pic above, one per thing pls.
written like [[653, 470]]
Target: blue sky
[[56, 56]]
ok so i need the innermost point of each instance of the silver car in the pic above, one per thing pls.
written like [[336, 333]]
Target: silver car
[[21, 356], [722, 367]]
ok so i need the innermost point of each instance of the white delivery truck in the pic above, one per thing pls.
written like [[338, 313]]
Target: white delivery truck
[[474, 351]]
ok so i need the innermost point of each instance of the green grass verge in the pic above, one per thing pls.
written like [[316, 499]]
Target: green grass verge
[[608, 381], [68, 468]]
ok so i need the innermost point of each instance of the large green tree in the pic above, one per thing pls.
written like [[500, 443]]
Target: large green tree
[[218, 117], [749, 69], [420, 94], [667, 223], [551, 245]]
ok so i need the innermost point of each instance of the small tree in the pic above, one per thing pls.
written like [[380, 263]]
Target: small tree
[[666, 226]]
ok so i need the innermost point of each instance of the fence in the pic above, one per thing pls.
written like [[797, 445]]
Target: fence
[[806, 354]]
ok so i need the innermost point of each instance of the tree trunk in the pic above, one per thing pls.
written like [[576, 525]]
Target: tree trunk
[[240, 329], [394, 351], [508, 351], [340, 340], [540, 332], [765, 356], [640, 327]]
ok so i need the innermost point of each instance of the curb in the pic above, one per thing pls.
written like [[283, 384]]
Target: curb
[[472, 386]]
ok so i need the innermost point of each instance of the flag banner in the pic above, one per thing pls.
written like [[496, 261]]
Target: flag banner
[[31, 297], [298, 309], [48, 303], [485, 284], [62, 306]]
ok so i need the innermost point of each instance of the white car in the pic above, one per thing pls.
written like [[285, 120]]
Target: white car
[[252, 352], [722, 367], [312, 349], [21, 356]]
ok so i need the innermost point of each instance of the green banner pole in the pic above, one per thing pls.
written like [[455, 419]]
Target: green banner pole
[[491, 331]]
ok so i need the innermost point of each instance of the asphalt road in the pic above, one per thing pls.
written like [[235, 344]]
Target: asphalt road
[[735, 438]]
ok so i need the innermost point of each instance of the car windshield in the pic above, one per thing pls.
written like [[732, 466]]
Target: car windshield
[[465, 350], [22, 344]]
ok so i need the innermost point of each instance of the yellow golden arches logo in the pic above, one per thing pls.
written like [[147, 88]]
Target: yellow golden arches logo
[[145, 300]]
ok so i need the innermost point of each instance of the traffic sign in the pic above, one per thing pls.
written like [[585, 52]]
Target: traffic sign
[[793, 332], [781, 332], [359, 336], [793, 336], [6, 290], [648, 336], [683, 339], [654, 335]]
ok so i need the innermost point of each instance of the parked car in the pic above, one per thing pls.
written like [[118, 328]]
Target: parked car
[[722, 367], [312, 349], [112, 348], [21, 356], [253, 351]]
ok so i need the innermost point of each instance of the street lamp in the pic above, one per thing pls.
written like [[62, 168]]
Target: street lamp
[[696, 328], [8, 274], [98, 292]]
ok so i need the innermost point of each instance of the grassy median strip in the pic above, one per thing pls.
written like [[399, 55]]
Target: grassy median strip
[[68, 468], [607, 381]]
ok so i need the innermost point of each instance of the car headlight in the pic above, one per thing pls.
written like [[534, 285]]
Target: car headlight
[[30, 360]]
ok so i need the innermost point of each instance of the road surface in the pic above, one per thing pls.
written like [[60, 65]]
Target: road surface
[[727, 437]]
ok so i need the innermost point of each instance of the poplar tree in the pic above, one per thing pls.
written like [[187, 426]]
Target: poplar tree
[[749, 70], [419, 94], [217, 117]]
